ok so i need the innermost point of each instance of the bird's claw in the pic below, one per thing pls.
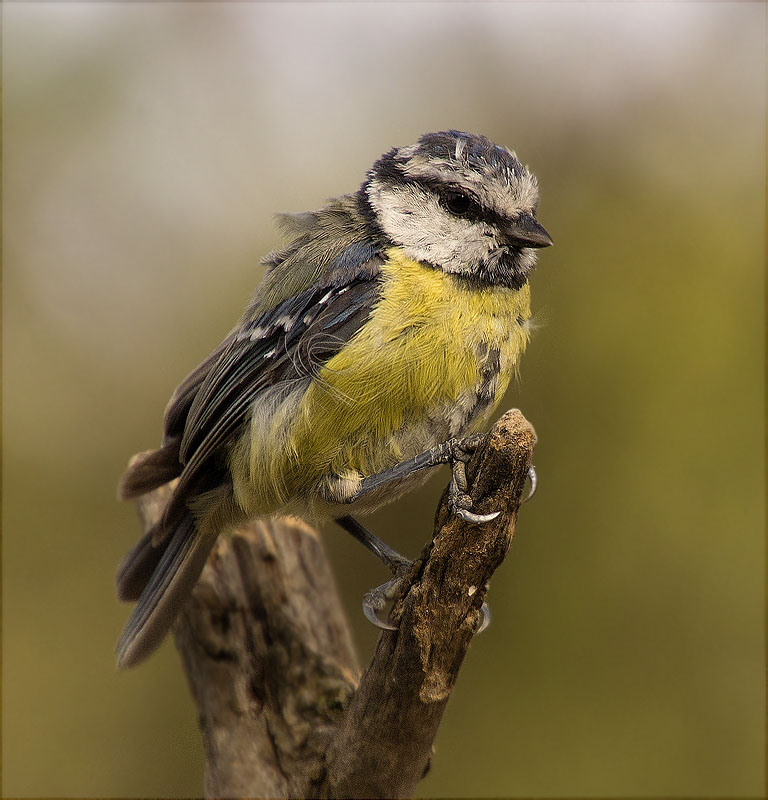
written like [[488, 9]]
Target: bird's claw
[[476, 519], [372, 607], [486, 621], [534, 483], [375, 601]]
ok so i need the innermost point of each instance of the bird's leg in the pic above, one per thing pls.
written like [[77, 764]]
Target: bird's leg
[[455, 452], [379, 548], [443, 453], [375, 601]]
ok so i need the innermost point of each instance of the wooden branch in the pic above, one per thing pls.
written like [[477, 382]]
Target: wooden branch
[[268, 654]]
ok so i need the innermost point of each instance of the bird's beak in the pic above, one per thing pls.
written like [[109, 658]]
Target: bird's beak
[[526, 231]]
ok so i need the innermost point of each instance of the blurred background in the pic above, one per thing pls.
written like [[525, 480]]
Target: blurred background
[[146, 147]]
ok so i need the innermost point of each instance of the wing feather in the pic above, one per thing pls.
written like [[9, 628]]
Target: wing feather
[[290, 342]]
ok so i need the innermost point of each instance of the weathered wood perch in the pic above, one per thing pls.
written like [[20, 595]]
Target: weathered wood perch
[[283, 709]]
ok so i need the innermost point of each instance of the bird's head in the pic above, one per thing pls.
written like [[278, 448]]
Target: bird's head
[[460, 203]]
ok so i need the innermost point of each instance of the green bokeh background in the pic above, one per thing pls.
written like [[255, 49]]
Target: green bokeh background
[[145, 147]]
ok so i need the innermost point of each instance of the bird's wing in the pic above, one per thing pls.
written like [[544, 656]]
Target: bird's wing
[[329, 249], [289, 342]]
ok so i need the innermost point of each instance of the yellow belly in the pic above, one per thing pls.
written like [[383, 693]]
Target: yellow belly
[[433, 360]]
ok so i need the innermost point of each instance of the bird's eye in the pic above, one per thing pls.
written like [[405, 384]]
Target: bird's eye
[[457, 203]]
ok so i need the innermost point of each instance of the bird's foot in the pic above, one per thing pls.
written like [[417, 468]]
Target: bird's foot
[[461, 503], [375, 601]]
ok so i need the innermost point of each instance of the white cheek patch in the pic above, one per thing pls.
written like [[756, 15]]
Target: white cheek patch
[[417, 221]]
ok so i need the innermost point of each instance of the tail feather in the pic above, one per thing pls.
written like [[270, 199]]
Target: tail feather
[[136, 569], [179, 563], [151, 469]]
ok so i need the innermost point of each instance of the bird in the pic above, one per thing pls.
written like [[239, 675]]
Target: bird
[[379, 342]]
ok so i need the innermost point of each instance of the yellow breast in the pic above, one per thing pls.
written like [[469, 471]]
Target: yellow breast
[[412, 376]]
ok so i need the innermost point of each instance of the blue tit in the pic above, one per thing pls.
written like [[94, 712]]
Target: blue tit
[[381, 338]]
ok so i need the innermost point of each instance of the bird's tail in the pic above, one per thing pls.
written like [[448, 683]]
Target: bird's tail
[[150, 469], [160, 577]]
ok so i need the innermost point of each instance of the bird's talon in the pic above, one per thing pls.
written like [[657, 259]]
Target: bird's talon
[[375, 601], [534, 482], [476, 519], [486, 621], [371, 608]]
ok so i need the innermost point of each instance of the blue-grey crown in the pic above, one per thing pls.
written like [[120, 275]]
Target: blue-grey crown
[[469, 150]]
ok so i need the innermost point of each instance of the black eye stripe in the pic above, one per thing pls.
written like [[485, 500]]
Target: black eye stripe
[[476, 211], [390, 173]]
